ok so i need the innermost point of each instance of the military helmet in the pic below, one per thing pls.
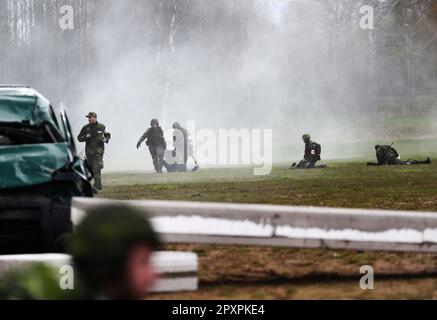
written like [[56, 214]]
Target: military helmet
[[154, 121], [306, 137], [91, 115], [102, 241], [176, 125]]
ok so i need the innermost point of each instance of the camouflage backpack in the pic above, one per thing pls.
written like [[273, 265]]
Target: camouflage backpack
[[315, 151]]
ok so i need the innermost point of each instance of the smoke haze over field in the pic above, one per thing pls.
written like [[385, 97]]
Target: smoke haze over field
[[291, 66]]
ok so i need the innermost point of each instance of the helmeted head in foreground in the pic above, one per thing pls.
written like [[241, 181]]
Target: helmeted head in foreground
[[306, 137], [111, 250]]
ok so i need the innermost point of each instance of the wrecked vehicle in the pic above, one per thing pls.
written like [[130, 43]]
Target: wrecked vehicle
[[40, 172]]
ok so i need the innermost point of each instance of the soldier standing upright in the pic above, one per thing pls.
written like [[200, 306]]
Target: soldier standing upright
[[154, 137], [95, 136]]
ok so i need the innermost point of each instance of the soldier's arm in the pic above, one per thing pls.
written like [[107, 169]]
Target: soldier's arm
[[82, 135], [143, 137], [106, 134]]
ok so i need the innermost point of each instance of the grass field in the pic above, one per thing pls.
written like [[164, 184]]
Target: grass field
[[268, 273]]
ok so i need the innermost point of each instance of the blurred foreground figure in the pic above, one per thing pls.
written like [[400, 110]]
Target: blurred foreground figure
[[176, 161], [387, 155], [112, 250], [95, 136], [154, 137], [36, 282], [311, 155]]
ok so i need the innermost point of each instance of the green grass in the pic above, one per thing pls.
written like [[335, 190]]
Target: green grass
[[341, 185]]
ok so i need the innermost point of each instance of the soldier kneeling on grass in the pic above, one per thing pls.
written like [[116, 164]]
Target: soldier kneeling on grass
[[387, 155], [312, 154]]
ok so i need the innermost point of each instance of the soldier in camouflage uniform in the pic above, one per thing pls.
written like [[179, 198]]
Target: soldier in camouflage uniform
[[95, 136], [311, 155], [154, 137], [387, 155]]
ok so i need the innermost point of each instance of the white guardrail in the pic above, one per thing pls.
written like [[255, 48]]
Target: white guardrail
[[272, 225]]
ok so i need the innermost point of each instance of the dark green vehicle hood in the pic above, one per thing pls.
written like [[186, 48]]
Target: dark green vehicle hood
[[28, 165]]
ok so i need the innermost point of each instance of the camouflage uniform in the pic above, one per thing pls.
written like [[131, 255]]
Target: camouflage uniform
[[37, 281], [387, 155], [311, 155], [95, 136], [154, 137]]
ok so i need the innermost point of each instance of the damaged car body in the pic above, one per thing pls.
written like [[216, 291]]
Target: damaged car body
[[40, 172]]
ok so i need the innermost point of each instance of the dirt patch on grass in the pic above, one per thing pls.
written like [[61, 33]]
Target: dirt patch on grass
[[384, 289], [227, 264]]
